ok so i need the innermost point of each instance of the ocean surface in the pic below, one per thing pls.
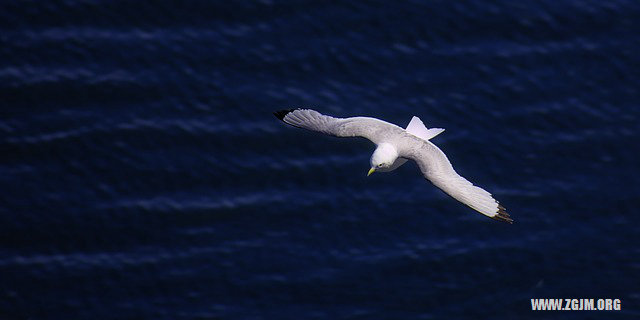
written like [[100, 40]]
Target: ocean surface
[[143, 175]]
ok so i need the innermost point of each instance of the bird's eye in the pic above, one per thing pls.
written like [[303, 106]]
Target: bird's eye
[[380, 165]]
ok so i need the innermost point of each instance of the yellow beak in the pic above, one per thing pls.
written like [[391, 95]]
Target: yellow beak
[[372, 170]]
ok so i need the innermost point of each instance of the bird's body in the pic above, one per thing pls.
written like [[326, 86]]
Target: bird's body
[[395, 146]]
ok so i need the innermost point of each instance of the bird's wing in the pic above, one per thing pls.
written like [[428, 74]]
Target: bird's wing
[[435, 166], [370, 128]]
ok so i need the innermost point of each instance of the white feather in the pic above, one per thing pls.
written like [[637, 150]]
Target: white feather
[[417, 128]]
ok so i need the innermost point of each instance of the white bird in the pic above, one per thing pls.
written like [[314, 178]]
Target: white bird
[[395, 146]]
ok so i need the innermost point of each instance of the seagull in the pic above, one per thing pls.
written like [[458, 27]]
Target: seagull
[[395, 146]]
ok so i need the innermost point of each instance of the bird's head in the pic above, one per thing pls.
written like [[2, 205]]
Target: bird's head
[[381, 159]]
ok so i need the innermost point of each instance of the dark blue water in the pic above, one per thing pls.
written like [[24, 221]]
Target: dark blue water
[[142, 175]]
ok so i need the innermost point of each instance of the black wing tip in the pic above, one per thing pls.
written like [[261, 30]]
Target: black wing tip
[[502, 215], [282, 113]]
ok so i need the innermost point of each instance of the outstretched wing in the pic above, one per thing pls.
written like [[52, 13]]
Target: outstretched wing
[[435, 166], [370, 128]]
